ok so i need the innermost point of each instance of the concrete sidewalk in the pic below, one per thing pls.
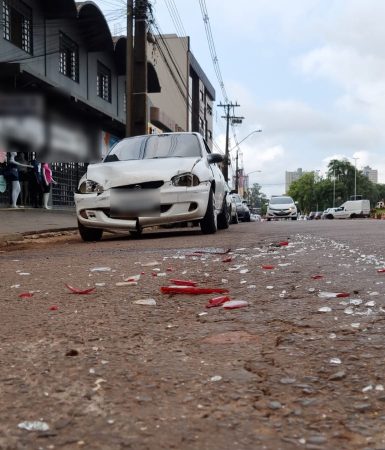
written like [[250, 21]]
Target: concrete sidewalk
[[19, 222]]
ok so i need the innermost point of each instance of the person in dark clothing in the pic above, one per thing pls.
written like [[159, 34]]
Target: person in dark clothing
[[35, 181]]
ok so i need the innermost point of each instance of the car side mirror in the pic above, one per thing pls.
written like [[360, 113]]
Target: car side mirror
[[214, 158]]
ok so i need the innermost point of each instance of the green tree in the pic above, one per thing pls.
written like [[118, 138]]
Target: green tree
[[305, 192], [345, 180], [255, 198]]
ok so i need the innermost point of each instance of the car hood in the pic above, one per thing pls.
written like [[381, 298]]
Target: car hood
[[121, 173]]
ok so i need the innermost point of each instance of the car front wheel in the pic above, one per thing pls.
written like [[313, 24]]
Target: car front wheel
[[209, 221], [89, 234]]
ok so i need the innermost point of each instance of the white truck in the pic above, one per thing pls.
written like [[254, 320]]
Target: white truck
[[349, 209]]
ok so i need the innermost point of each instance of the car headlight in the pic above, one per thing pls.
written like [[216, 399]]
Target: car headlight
[[185, 180], [90, 187]]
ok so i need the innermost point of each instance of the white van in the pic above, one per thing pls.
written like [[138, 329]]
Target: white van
[[349, 209]]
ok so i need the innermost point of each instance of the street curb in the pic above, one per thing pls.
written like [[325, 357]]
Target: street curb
[[16, 238]]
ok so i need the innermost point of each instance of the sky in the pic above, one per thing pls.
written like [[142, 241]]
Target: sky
[[309, 73]]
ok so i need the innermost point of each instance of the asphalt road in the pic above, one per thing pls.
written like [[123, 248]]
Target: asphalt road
[[296, 368]]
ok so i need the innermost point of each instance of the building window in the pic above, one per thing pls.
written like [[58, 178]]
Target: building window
[[103, 82], [68, 57], [209, 110], [17, 24]]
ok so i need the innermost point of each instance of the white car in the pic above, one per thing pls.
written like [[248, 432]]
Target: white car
[[281, 207], [152, 180]]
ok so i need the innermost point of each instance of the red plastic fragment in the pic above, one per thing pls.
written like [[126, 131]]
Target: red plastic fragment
[[26, 295], [79, 291], [343, 294], [53, 308], [183, 282], [381, 270], [317, 277], [229, 259], [217, 301], [191, 290], [283, 244], [268, 267]]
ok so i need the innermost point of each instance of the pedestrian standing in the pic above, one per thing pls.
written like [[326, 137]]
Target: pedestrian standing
[[47, 181]]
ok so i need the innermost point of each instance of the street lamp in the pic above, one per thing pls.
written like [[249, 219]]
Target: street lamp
[[255, 131], [237, 157], [355, 178], [247, 182]]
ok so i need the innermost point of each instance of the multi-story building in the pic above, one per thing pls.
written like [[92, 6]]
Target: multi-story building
[[372, 174], [186, 99], [292, 176], [62, 87]]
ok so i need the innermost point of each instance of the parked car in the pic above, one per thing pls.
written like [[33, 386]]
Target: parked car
[[153, 180], [281, 207], [350, 209], [315, 215], [243, 210]]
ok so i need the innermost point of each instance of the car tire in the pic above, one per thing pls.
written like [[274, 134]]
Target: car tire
[[89, 234], [247, 218], [223, 219], [330, 216], [293, 218], [209, 221]]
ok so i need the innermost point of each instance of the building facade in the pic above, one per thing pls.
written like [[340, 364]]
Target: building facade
[[62, 88], [370, 173], [292, 176], [187, 96]]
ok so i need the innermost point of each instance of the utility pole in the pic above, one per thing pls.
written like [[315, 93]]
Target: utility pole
[[237, 171], [129, 66], [229, 107], [237, 158], [139, 114]]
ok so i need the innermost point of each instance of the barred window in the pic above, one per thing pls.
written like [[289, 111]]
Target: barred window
[[17, 24], [103, 82], [68, 57]]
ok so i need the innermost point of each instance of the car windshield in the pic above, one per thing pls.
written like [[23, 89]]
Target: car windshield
[[170, 146], [281, 200], [155, 146]]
